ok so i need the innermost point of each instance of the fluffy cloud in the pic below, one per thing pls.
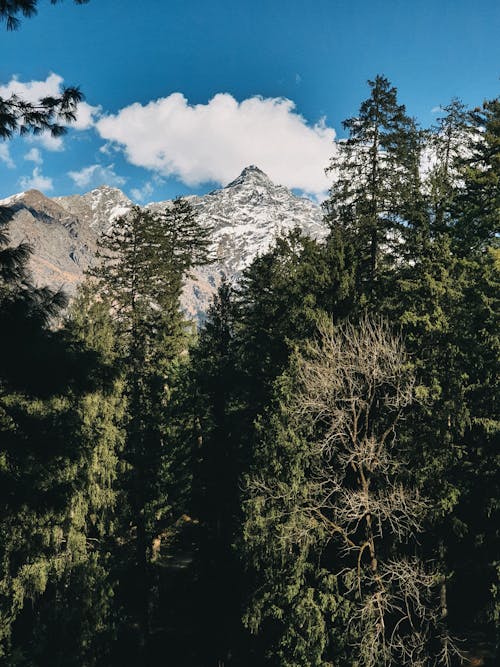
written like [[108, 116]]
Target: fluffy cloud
[[37, 181], [46, 141], [215, 141], [34, 155], [33, 91], [5, 156], [85, 116], [95, 175]]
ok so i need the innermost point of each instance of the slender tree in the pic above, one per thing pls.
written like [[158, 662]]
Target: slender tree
[[375, 174], [144, 260], [476, 213]]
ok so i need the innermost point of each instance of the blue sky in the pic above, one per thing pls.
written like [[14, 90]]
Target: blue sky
[[181, 95]]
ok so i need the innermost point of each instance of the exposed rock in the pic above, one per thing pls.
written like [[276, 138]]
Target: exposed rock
[[245, 216]]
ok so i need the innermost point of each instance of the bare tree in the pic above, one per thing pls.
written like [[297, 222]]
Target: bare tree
[[354, 386]]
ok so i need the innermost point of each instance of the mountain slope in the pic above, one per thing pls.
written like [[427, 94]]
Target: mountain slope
[[245, 217]]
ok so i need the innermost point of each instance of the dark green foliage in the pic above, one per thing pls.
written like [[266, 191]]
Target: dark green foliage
[[213, 391], [375, 174], [281, 295], [449, 308], [441, 291], [445, 298], [295, 603], [446, 141], [50, 114], [226, 507], [58, 412], [145, 259], [477, 206], [329, 505], [244, 345]]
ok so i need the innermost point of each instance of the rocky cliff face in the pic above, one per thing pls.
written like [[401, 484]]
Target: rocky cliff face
[[245, 216]]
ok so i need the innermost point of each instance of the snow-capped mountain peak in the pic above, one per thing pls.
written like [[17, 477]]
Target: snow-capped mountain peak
[[251, 176], [97, 208], [244, 218]]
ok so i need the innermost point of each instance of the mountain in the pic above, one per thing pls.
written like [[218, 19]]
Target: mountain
[[245, 216]]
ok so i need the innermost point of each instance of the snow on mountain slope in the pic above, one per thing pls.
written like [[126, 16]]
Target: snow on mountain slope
[[245, 216], [97, 208], [249, 213]]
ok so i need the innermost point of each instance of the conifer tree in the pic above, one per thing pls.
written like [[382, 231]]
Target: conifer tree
[[376, 174], [436, 295], [446, 143], [59, 441], [245, 343], [280, 297], [11, 9], [145, 259], [214, 394], [476, 214]]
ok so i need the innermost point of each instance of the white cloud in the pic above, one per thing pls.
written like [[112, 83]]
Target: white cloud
[[95, 175], [215, 141], [141, 194], [85, 116], [34, 155], [32, 91], [5, 156], [46, 141], [109, 148], [37, 181]]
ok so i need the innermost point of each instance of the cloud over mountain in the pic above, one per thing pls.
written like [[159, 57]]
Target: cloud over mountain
[[95, 175], [211, 142], [37, 181]]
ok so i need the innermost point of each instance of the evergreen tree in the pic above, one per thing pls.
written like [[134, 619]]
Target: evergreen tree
[[446, 143], [294, 607], [477, 209], [144, 261], [280, 297], [215, 505], [443, 297], [376, 175], [245, 343], [58, 412]]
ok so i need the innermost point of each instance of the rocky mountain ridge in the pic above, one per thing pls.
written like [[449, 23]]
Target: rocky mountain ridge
[[245, 216]]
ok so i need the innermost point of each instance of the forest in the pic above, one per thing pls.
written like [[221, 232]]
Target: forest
[[308, 479]]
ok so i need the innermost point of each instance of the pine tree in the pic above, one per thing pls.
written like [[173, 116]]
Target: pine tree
[[213, 395], [446, 143], [279, 299], [294, 608], [446, 279], [477, 209], [145, 259], [376, 175], [58, 413]]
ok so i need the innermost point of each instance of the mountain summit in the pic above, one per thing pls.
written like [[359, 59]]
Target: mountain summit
[[253, 176], [245, 216]]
